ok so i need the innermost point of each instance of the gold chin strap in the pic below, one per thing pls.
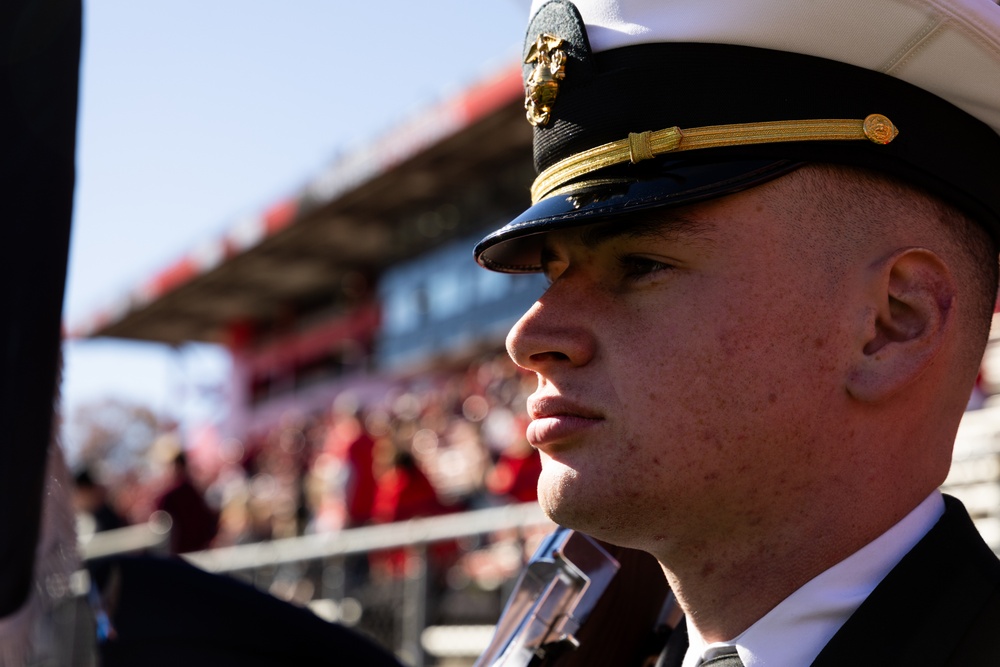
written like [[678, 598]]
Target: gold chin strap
[[647, 145]]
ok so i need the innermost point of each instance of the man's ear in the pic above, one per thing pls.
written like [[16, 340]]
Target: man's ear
[[911, 295]]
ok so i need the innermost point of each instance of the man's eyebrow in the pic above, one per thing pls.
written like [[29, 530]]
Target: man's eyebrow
[[658, 226], [663, 226]]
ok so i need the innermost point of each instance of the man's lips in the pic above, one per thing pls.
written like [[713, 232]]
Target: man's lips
[[554, 420]]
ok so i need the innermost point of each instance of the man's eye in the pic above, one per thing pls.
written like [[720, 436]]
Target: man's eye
[[638, 267]]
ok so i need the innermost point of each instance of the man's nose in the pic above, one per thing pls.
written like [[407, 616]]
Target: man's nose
[[557, 329]]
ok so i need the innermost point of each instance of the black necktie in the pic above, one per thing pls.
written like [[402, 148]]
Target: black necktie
[[727, 659]]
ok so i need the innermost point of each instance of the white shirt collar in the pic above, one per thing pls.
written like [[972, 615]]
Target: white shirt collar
[[794, 632]]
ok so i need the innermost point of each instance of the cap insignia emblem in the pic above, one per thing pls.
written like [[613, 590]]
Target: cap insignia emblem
[[542, 85], [879, 129]]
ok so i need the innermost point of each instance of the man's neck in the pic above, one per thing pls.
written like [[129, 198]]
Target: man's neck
[[728, 591], [794, 632]]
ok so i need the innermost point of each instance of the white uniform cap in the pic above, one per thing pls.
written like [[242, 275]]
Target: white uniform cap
[[948, 47], [641, 104]]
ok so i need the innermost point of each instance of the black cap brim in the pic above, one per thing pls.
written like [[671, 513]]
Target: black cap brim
[[516, 248]]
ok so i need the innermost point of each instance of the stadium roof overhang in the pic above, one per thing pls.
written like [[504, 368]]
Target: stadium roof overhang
[[452, 170]]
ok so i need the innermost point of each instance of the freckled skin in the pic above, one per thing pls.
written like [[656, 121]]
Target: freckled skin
[[693, 369]]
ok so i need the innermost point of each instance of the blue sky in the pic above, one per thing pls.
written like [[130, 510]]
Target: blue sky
[[197, 112]]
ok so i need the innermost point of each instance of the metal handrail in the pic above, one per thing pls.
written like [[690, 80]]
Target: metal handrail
[[152, 535], [368, 538]]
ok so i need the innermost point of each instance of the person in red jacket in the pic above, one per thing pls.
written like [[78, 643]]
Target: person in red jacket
[[404, 492], [515, 474]]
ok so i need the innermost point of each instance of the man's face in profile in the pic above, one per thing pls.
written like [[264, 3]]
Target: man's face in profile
[[684, 360]]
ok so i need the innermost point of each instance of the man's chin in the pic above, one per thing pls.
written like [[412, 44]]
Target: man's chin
[[581, 512], [598, 517], [563, 510]]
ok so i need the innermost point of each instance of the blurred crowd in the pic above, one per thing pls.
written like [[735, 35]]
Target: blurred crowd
[[436, 443]]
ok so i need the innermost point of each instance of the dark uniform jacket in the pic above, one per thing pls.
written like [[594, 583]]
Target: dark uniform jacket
[[939, 607]]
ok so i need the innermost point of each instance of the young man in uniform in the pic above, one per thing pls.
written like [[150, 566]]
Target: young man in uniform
[[769, 228]]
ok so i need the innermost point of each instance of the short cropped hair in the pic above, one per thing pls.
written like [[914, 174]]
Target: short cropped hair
[[864, 202]]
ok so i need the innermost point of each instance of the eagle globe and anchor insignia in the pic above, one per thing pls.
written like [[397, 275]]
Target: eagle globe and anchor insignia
[[542, 85]]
